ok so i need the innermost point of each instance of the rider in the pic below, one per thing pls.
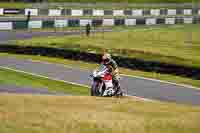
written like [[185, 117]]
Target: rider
[[112, 65]]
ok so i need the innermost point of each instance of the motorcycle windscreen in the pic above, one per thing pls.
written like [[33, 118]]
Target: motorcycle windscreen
[[102, 68]]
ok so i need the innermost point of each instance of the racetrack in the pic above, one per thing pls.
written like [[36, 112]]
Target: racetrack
[[135, 86], [6, 36]]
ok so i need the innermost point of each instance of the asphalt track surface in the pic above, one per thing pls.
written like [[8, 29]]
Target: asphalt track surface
[[133, 86], [6, 36]]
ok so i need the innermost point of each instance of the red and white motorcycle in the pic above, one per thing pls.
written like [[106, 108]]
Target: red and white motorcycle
[[102, 83]]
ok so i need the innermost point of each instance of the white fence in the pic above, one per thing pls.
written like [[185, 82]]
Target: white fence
[[6, 26]]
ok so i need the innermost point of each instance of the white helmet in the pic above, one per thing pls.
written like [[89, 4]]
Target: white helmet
[[106, 58]]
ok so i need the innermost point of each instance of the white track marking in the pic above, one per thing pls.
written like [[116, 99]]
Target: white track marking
[[55, 79], [142, 99], [58, 64], [161, 81], [138, 77], [33, 74]]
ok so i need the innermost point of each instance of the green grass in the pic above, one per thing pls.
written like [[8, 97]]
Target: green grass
[[86, 114], [131, 1], [61, 114], [18, 5], [169, 44], [8, 77], [91, 66]]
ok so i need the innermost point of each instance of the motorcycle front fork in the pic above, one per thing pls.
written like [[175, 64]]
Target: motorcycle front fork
[[100, 84]]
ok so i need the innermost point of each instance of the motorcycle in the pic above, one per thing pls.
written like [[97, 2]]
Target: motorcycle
[[102, 83]]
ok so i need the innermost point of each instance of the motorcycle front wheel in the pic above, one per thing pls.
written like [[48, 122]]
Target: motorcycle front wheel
[[95, 89]]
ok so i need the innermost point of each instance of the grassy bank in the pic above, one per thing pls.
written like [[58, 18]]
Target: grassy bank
[[168, 44], [91, 66], [18, 5], [50, 114], [8, 77]]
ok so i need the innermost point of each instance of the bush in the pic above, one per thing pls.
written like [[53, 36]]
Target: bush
[[126, 62]]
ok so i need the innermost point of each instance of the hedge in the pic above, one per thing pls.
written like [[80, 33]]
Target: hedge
[[126, 62]]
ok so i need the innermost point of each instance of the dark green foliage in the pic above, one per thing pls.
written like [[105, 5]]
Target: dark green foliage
[[126, 62]]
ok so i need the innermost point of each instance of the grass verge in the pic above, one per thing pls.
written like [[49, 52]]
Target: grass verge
[[17, 5], [9, 77], [177, 44], [50, 114], [85, 65]]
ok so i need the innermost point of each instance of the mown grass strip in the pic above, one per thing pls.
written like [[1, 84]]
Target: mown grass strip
[[17, 5], [167, 44], [19, 79]]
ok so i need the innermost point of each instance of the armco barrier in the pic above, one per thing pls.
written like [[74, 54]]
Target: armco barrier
[[98, 13], [60, 23], [77, 13], [126, 62], [101, 12], [36, 24], [33, 12], [13, 11], [20, 25], [119, 22], [1, 11], [84, 22], [44, 12], [99, 22], [88, 12], [6, 26], [47, 24], [73, 22], [54, 12], [66, 12]]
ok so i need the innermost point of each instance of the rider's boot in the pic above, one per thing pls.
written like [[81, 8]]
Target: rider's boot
[[120, 92], [117, 88]]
